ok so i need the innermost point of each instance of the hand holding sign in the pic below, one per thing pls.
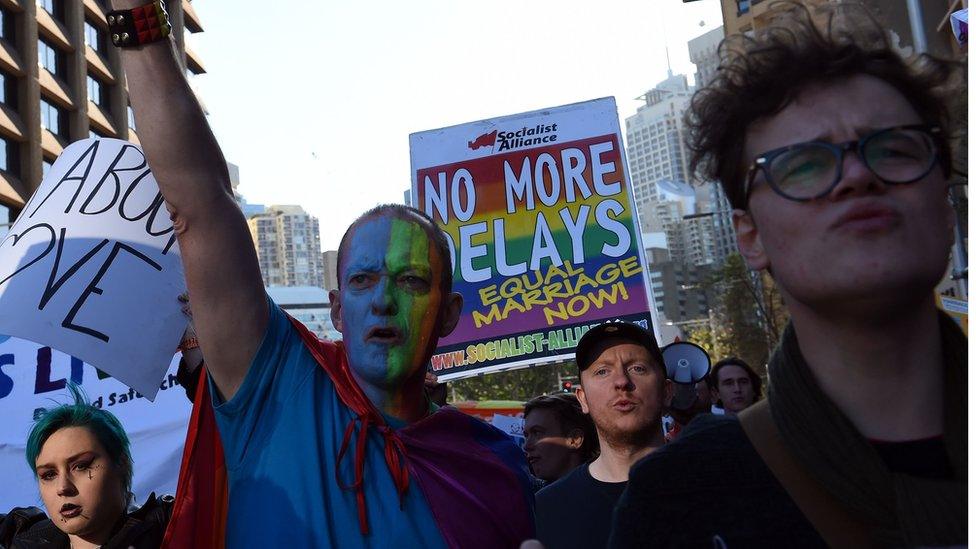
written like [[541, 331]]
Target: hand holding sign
[[91, 265]]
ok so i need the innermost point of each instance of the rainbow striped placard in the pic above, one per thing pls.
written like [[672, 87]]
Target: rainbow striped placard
[[539, 213]]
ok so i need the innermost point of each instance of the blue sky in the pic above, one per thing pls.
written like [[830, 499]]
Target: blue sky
[[315, 100]]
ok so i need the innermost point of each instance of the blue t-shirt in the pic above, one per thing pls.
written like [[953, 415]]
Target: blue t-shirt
[[281, 435]]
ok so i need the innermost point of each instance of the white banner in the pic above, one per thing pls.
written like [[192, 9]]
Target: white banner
[[33, 376], [92, 268]]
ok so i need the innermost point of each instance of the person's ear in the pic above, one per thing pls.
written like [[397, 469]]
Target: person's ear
[[451, 313], [335, 309], [575, 439], [749, 241], [581, 397]]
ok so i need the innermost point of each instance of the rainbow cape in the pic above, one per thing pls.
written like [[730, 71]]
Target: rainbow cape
[[473, 477]]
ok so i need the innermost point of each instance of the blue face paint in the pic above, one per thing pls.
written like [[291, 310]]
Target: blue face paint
[[389, 299]]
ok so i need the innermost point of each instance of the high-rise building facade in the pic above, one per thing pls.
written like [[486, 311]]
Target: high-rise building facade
[[655, 149], [288, 246], [703, 52], [330, 269], [61, 80], [689, 235]]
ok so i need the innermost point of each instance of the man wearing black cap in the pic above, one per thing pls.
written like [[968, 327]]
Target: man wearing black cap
[[624, 388]]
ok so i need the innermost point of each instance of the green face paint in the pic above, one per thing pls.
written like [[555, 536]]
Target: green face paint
[[410, 256]]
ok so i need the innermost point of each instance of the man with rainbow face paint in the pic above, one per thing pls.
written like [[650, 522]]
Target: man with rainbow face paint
[[297, 442]]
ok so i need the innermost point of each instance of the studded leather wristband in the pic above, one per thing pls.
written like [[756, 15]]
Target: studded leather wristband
[[139, 26]]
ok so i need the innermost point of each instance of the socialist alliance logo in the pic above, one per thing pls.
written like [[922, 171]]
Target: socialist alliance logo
[[539, 134]]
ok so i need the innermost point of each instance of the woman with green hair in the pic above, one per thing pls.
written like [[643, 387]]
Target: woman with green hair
[[80, 457]]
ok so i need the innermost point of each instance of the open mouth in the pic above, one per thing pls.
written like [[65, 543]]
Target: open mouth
[[384, 335], [69, 510]]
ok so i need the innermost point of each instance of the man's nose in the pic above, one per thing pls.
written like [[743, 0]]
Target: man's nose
[[622, 381], [383, 302]]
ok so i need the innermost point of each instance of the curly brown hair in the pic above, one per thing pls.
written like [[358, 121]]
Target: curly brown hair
[[760, 75]]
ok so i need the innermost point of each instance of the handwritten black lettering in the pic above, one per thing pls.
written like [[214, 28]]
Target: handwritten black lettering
[[16, 238], [111, 171], [69, 320], [53, 286], [89, 154]]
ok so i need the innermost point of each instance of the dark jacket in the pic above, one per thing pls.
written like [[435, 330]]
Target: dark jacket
[[29, 528]]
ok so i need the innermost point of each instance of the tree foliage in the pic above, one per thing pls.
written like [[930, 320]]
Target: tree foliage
[[521, 384], [747, 316]]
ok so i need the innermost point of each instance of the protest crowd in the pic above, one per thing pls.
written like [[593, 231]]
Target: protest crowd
[[834, 150]]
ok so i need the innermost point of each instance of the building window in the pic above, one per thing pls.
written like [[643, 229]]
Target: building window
[[9, 158], [94, 37], [8, 89], [96, 91], [49, 57], [54, 7], [7, 25], [132, 118], [54, 119], [743, 6]]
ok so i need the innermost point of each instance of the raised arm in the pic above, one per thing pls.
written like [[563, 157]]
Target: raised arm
[[222, 274]]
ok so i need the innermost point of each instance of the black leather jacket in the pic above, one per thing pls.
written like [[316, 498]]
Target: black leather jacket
[[29, 528]]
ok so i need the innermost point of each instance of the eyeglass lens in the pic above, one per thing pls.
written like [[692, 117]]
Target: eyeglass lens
[[895, 156]]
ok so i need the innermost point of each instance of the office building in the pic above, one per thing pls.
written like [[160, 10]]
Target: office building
[[286, 239], [60, 81], [703, 52], [689, 235], [680, 291], [654, 134]]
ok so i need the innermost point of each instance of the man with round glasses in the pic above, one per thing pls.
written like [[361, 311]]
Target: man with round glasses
[[834, 152]]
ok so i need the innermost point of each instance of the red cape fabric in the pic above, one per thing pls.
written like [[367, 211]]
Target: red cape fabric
[[470, 473]]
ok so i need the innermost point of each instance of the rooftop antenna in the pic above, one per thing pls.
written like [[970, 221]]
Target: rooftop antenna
[[667, 53]]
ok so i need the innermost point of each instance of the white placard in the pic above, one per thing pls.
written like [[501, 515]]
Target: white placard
[[33, 376], [91, 266], [511, 426]]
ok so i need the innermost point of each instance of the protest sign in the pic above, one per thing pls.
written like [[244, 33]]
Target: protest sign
[[541, 222], [91, 266], [957, 309], [511, 426], [33, 376]]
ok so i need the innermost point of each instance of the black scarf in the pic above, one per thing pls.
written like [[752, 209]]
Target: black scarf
[[901, 510]]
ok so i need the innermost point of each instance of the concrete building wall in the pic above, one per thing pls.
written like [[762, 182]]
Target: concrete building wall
[[59, 52], [703, 52], [330, 268]]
